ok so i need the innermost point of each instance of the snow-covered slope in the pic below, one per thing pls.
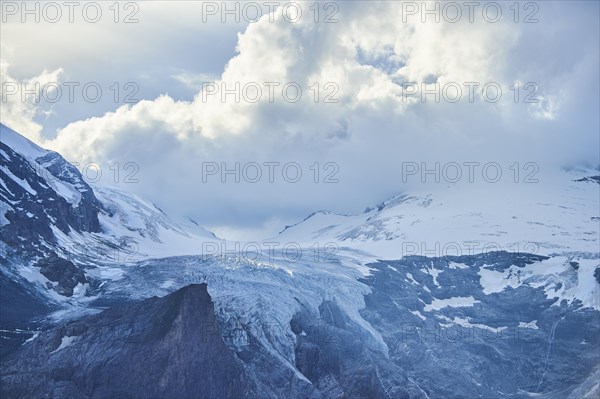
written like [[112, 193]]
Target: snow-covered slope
[[134, 229], [123, 217], [58, 231], [557, 216], [21, 144]]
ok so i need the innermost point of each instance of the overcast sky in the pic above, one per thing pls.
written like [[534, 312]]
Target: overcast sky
[[349, 130]]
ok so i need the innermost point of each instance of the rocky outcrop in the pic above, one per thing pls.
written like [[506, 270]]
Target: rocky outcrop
[[337, 357], [35, 202], [513, 342], [22, 305], [41, 196], [593, 179], [62, 272], [168, 347]]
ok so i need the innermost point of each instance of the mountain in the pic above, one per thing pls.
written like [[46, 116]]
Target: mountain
[[383, 307], [60, 231], [556, 215], [41, 191], [59, 236], [125, 351]]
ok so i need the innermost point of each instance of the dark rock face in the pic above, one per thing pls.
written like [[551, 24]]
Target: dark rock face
[[488, 353], [20, 300], [22, 306], [593, 179], [167, 347], [37, 196], [66, 275], [513, 343], [335, 356], [35, 206], [85, 218], [574, 265]]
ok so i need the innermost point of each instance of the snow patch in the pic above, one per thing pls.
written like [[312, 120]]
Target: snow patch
[[532, 324], [419, 314], [454, 265], [34, 336], [555, 275], [455, 302], [20, 182], [494, 281], [167, 284], [467, 324], [4, 208], [412, 279], [65, 342]]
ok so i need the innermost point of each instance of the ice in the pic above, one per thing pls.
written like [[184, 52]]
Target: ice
[[167, 284], [111, 273], [262, 295]]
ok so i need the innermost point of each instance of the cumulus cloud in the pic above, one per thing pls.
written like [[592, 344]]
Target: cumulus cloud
[[21, 99], [371, 63]]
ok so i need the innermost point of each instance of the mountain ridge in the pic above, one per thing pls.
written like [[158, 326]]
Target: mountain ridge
[[341, 325]]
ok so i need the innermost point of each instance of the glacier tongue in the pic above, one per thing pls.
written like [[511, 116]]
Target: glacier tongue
[[260, 296]]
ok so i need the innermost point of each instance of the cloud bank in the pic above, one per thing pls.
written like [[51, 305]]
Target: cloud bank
[[371, 114]]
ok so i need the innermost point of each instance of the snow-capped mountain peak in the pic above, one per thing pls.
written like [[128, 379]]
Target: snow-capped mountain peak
[[559, 216]]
